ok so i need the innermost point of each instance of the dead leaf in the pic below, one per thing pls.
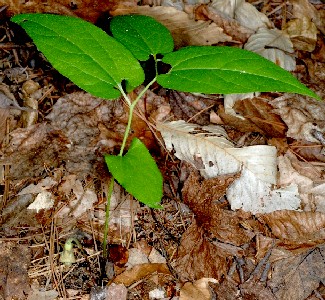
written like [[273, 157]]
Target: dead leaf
[[297, 276], [184, 30], [14, 262], [245, 13], [209, 150], [259, 112], [139, 272], [187, 106], [303, 8], [198, 290], [302, 115], [274, 45], [303, 33], [86, 9], [39, 146], [201, 197], [227, 290], [256, 290], [197, 258], [230, 26], [72, 138], [296, 226], [239, 123]]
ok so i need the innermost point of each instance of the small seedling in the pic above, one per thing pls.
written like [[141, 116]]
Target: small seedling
[[109, 67], [67, 255]]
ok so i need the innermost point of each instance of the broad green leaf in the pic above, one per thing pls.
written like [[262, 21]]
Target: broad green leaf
[[138, 173], [83, 52], [142, 35], [226, 70]]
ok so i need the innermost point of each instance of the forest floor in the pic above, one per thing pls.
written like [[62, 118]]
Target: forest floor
[[54, 181]]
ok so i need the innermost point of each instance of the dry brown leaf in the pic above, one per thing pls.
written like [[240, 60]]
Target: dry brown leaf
[[238, 123], [71, 137], [39, 146], [201, 195], [297, 276], [303, 116], [259, 112], [197, 257], [230, 26], [139, 272], [308, 151], [227, 290], [86, 9], [296, 227], [14, 262], [303, 33], [303, 8], [187, 106], [198, 290], [256, 290], [184, 30]]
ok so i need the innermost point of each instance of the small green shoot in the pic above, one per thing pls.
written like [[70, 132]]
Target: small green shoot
[[102, 65]]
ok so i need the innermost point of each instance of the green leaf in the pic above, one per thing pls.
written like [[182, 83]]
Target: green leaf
[[138, 173], [226, 70], [142, 35], [84, 53]]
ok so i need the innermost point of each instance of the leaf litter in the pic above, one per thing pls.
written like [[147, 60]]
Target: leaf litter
[[220, 251]]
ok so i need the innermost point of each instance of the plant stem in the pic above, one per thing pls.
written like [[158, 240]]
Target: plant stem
[[131, 108], [108, 206], [126, 134]]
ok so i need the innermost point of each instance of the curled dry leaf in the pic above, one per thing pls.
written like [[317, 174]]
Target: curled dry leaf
[[302, 115], [297, 276], [209, 150], [201, 197], [274, 45], [229, 25], [303, 8], [245, 13], [196, 257], [296, 227], [184, 30], [303, 33], [259, 112]]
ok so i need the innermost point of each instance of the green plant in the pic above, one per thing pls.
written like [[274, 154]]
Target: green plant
[[109, 67]]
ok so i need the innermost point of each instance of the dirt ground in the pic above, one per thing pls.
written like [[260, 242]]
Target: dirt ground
[[54, 181]]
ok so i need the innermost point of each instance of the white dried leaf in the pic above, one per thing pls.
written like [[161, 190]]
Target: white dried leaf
[[245, 13], [248, 16], [136, 257], [257, 196], [209, 150], [43, 200], [157, 294], [274, 45]]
